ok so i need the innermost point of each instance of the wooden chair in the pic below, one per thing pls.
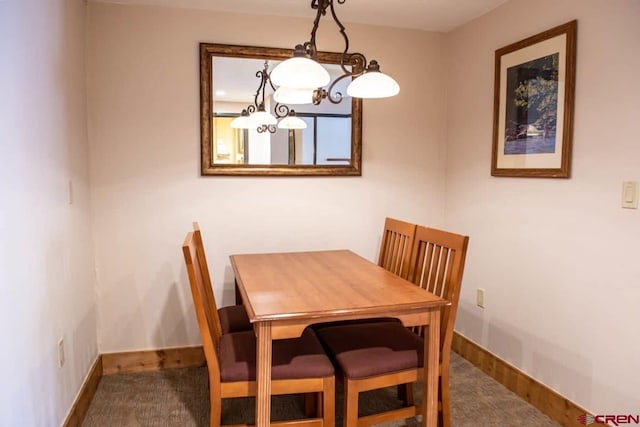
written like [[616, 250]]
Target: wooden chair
[[385, 354], [395, 253], [232, 318], [299, 365], [395, 249]]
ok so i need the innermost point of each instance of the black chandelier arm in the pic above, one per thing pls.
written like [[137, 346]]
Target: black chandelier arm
[[266, 128], [343, 32], [251, 109], [281, 110], [270, 82], [356, 60], [334, 98], [321, 6], [320, 94], [263, 76]]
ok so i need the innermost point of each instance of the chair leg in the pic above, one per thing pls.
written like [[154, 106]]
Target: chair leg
[[215, 404], [350, 404], [311, 404], [328, 398], [408, 392], [405, 393], [444, 416]]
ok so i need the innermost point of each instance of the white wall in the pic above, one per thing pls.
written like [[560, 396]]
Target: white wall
[[144, 130], [558, 258], [46, 279]]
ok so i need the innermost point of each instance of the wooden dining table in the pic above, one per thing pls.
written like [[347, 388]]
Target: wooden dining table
[[283, 293]]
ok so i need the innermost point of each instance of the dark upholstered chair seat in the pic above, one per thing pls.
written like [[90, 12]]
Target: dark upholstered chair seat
[[292, 358], [234, 318], [370, 349]]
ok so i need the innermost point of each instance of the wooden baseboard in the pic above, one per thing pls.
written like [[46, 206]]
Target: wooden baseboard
[[85, 396], [542, 397], [134, 361], [549, 402], [152, 360]]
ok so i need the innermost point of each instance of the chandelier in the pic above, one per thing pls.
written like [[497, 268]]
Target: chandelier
[[301, 79], [256, 116]]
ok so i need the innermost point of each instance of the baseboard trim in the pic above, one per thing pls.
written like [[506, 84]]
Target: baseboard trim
[[85, 396], [127, 362], [152, 360], [537, 394]]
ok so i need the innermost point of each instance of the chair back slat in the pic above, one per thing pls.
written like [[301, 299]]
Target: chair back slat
[[441, 281], [205, 308], [206, 282], [433, 268], [395, 249], [437, 265]]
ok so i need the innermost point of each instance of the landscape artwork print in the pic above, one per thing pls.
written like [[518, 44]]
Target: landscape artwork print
[[534, 90], [532, 107]]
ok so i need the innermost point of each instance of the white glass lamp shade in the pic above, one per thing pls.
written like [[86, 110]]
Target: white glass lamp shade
[[373, 84], [241, 122], [292, 122], [262, 118], [289, 95], [300, 73]]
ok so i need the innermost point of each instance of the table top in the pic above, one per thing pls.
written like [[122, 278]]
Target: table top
[[323, 285]]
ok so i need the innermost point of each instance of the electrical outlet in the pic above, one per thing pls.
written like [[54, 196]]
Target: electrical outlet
[[61, 352], [480, 298]]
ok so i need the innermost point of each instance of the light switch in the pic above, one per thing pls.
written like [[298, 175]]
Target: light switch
[[630, 194]]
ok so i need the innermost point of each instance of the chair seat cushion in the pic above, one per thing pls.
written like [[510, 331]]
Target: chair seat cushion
[[292, 358], [371, 349], [234, 319]]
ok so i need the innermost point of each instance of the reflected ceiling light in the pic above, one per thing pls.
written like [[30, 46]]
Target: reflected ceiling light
[[304, 72], [255, 115], [292, 122], [242, 121], [288, 95]]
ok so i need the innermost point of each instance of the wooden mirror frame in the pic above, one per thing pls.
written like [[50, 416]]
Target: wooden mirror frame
[[208, 167]]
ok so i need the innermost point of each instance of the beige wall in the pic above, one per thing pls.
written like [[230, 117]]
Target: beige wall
[[144, 129], [46, 278], [558, 258]]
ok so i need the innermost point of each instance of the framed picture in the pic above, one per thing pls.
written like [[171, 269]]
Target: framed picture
[[533, 105]]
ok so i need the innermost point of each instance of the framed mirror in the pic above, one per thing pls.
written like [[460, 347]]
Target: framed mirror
[[230, 77]]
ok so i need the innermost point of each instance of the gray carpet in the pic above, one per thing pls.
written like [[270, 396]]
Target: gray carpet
[[179, 398]]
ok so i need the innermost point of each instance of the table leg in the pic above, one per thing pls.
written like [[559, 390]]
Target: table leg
[[431, 367], [263, 374], [238, 294]]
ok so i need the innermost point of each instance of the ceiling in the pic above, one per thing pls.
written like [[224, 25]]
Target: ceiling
[[235, 80], [430, 15]]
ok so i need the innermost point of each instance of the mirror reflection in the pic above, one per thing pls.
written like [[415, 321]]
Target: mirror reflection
[[293, 137], [325, 138]]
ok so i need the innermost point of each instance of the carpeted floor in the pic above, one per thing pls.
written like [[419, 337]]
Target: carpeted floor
[[179, 398]]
